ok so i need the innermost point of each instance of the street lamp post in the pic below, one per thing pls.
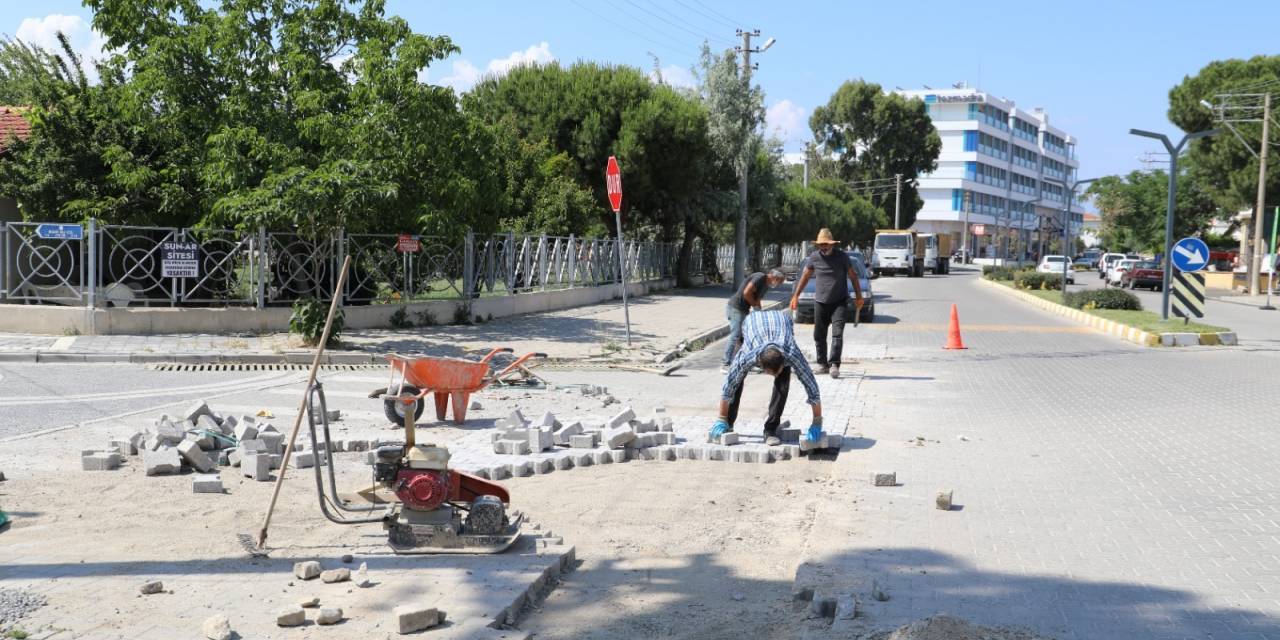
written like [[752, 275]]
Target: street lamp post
[[1173, 186], [1030, 205], [1066, 224]]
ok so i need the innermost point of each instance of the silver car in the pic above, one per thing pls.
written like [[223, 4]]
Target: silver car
[[804, 306]]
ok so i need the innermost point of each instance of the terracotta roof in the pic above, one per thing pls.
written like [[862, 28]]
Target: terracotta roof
[[1091, 217], [13, 124]]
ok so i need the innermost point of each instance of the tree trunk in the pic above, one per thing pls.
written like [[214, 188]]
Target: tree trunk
[[684, 264]]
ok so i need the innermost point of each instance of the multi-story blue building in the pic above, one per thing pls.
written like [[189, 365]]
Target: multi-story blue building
[[996, 160]]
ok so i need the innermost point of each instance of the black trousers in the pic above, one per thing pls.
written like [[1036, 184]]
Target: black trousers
[[777, 402], [829, 315]]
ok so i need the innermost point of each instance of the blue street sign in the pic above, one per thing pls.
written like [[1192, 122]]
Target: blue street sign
[[60, 232], [1190, 254]]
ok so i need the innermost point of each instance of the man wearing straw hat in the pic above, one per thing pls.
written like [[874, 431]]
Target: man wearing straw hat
[[829, 267]]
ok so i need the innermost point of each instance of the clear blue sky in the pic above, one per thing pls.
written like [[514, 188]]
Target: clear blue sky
[[1098, 67]]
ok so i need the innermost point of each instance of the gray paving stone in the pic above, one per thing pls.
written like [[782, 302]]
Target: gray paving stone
[[162, 461], [206, 483]]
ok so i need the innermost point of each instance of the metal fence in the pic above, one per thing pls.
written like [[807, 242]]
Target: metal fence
[[126, 265]]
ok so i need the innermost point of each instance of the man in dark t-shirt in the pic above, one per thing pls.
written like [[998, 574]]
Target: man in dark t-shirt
[[748, 297], [829, 267]]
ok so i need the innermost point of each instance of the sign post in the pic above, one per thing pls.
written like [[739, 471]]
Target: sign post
[[613, 178], [1189, 255]]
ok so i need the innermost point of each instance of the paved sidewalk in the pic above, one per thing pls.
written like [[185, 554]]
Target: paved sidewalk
[[659, 324]]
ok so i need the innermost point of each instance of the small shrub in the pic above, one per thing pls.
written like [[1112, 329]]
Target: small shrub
[[1041, 281], [462, 314], [1103, 299], [400, 319], [308, 321], [1002, 272], [426, 318]]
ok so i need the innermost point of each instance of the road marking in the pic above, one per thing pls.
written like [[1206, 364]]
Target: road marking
[[329, 393], [234, 385]]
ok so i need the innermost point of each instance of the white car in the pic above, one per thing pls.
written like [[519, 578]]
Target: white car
[[1115, 274], [1105, 262], [1053, 264]]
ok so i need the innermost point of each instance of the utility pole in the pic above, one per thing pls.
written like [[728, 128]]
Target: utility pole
[[1259, 210], [806, 170], [897, 200], [740, 245]]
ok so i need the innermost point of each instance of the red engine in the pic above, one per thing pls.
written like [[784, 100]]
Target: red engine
[[424, 489]]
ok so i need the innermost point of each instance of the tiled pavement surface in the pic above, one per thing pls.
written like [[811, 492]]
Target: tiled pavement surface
[[1103, 490]]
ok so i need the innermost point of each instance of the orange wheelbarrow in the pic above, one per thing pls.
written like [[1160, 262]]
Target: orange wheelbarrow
[[413, 377]]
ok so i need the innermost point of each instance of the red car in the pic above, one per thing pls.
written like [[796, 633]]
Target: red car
[[1143, 274]]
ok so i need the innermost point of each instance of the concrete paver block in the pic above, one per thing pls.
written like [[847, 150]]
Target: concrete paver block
[[234, 457], [500, 472], [256, 466], [123, 447], [245, 431], [291, 616], [884, 479], [273, 441], [540, 439], [206, 483], [561, 437], [332, 576], [602, 457], [663, 438], [169, 433], [307, 569], [728, 439], [943, 501], [807, 445], [584, 459], [197, 409], [522, 469], [517, 419], [644, 426], [548, 419], [138, 440], [584, 441], [619, 436], [100, 461], [621, 418], [512, 447], [151, 587], [619, 455], [329, 615], [304, 459], [164, 460], [564, 463], [195, 456], [545, 465], [276, 460], [412, 618], [665, 423]]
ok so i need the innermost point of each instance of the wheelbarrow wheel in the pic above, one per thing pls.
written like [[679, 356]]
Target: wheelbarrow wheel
[[394, 408]]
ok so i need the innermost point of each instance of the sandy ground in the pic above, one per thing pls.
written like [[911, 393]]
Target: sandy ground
[[723, 568]]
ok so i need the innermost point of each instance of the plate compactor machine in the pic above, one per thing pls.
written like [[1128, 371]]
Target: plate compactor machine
[[425, 506]]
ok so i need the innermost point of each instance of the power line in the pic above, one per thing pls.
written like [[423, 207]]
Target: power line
[[680, 26], [679, 40], [704, 14], [633, 32], [730, 22]]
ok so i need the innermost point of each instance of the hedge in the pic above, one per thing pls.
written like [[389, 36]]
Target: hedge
[[1102, 299], [1035, 280]]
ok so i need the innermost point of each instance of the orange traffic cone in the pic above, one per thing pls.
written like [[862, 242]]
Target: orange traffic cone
[[953, 332]]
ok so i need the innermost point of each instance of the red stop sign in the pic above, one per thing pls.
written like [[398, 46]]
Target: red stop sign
[[613, 178]]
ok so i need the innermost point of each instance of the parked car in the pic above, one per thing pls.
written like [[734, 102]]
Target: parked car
[[1144, 273], [1105, 262], [1053, 264], [1115, 275], [804, 308], [1090, 258]]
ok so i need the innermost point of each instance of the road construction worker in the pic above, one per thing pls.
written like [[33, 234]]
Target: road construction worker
[[829, 267], [769, 342], [749, 297]]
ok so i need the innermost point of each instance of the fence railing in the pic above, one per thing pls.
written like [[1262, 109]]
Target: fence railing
[[126, 265]]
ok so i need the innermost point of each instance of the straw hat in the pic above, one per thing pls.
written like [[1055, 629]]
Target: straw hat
[[824, 237]]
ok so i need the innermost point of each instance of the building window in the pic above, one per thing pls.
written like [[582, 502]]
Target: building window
[[971, 141], [990, 115], [1055, 144], [1026, 158], [1025, 130], [990, 145]]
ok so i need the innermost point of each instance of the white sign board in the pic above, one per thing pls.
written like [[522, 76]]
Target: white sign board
[[180, 260]]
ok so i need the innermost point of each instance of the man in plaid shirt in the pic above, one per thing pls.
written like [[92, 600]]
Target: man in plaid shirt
[[769, 341]]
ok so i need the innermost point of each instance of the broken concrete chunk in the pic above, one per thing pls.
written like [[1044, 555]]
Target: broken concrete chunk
[[331, 576], [197, 458], [475, 405], [329, 615], [217, 627], [416, 618], [309, 603], [164, 460], [151, 587], [884, 479], [291, 616], [307, 569], [206, 483], [943, 501]]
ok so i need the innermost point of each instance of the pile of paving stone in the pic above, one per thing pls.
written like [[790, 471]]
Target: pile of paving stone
[[16, 603], [517, 435], [202, 440]]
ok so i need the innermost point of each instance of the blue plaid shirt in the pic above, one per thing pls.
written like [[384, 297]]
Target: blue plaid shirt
[[761, 330]]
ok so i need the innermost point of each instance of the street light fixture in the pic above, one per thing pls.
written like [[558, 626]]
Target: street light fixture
[[1173, 186], [768, 43], [1066, 223]]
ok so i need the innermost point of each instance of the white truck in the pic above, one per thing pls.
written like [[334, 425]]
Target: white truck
[[904, 251]]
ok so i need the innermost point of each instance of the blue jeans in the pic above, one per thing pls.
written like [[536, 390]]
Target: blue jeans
[[735, 318]]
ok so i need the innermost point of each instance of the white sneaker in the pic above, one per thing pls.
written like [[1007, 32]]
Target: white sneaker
[[724, 369]]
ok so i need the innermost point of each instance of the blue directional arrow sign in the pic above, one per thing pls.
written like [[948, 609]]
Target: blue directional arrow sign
[[49, 231], [1190, 254]]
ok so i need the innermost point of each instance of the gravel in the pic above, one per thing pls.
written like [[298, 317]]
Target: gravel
[[16, 603]]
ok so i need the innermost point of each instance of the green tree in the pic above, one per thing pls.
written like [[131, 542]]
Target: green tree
[[874, 135], [1133, 209]]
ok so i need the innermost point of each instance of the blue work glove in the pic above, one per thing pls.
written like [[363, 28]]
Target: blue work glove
[[719, 428], [814, 434]]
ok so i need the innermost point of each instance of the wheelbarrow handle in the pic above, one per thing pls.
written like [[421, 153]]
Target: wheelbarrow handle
[[408, 400], [519, 361], [495, 352]]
